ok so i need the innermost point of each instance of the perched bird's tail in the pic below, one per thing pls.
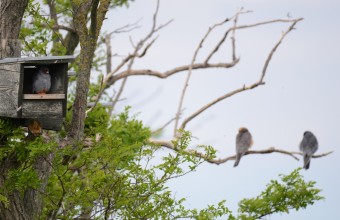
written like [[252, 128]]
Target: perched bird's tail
[[237, 160], [306, 161]]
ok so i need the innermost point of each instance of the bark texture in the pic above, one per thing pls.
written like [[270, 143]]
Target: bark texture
[[22, 205], [11, 12], [88, 40]]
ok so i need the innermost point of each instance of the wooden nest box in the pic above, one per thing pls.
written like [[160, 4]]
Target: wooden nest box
[[17, 100]]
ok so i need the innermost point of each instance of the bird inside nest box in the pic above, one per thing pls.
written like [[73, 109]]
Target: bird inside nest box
[[35, 88]]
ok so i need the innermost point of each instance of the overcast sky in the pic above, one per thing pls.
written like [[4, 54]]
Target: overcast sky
[[301, 93]]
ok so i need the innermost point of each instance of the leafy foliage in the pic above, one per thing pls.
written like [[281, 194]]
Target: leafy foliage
[[117, 175], [279, 197], [120, 176], [33, 33], [23, 155], [9, 135]]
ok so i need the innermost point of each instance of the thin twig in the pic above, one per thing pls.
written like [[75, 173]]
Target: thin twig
[[264, 70], [233, 39], [269, 22], [219, 43]]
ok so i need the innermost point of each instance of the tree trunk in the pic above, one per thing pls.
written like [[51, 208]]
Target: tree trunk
[[11, 12], [82, 88], [88, 41], [26, 205], [87, 45]]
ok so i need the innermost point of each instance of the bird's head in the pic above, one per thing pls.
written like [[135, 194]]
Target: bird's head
[[44, 70], [242, 130], [35, 128], [307, 133]]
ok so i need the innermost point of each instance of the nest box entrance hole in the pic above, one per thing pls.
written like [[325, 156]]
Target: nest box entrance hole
[[58, 74]]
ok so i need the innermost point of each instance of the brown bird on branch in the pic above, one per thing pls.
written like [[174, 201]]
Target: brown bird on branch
[[244, 141]]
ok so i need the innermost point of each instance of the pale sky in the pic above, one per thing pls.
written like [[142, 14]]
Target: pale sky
[[301, 93]]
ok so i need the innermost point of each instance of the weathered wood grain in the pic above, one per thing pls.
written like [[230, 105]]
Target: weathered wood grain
[[65, 82], [44, 96], [9, 89], [42, 109]]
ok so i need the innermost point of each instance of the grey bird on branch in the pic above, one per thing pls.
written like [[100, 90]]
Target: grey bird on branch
[[42, 81], [244, 141], [308, 146]]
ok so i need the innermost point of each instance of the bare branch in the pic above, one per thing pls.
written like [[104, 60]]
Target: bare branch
[[168, 73], [210, 104], [219, 44], [269, 22], [244, 88], [129, 59], [120, 91], [145, 49], [266, 151], [169, 145], [233, 39], [235, 17], [264, 70], [316, 156], [110, 78], [186, 84]]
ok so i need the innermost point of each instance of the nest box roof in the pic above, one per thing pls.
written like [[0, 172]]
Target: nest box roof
[[38, 60]]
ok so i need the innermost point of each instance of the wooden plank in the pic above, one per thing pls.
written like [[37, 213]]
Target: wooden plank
[[44, 96], [42, 109], [38, 60], [9, 89], [65, 82]]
